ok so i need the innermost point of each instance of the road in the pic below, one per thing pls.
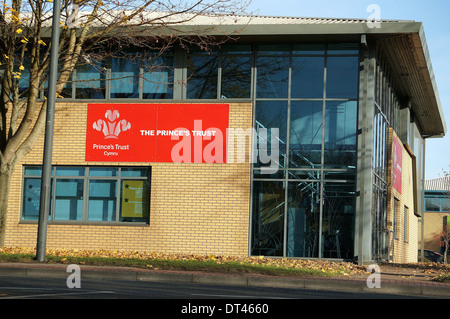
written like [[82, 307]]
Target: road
[[12, 287]]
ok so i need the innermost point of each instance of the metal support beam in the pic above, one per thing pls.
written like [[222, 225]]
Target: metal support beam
[[363, 222], [48, 142]]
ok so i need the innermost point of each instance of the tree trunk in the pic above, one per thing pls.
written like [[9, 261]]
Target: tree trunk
[[5, 178], [446, 249]]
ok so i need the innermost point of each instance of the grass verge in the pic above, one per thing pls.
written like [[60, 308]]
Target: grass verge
[[234, 265]]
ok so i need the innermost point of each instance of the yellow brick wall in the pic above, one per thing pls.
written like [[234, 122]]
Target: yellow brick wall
[[195, 208], [403, 252], [433, 226]]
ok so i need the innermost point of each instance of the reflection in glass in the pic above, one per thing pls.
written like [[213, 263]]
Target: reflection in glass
[[102, 200], [307, 77], [432, 204], [158, 78], [340, 134], [90, 82], [305, 134], [303, 219], [202, 77], [342, 77], [125, 77], [69, 171], [103, 171], [309, 49], [268, 218], [273, 77], [31, 198], [69, 199], [271, 115], [338, 220], [236, 77]]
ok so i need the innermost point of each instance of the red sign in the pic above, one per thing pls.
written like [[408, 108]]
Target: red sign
[[397, 163], [178, 133]]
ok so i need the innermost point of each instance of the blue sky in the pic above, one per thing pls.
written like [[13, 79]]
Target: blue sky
[[433, 14]]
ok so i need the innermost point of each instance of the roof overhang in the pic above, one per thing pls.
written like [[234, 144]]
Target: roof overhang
[[401, 42]]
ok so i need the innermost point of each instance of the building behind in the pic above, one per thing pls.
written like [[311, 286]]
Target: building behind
[[437, 212], [324, 123]]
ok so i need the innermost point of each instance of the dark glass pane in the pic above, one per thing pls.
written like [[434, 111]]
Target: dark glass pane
[[135, 201], [70, 171], [348, 176], [271, 130], [268, 218], [237, 49], [264, 174], [305, 135], [274, 49], [103, 171], [307, 77], [202, 77], [313, 175], [303, 216], [432, 204], [338, 220], [342, 77], [102, 200], [67, 90], [125, 77], [343, 48], [90, 83], [158, 78], [445, 204], [273, 77], [33, 170], [69, 199], [236, 77], [134, 171], [340, 134], [308, 49], [31, 198]]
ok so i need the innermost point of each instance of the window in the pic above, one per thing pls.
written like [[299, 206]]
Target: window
[[90, 194], [437, 201], [395, 218], [309, 93], [405, 224]]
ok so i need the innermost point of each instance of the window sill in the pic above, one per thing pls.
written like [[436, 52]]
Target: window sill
[[93, 223]]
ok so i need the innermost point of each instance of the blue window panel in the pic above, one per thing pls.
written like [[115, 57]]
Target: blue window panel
[[340, 134], [272, 77], [31, 198], [342, 77], [307, 77], [69, 199], [102, 200], [305, 135]]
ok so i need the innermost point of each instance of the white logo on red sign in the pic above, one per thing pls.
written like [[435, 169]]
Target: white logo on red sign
[[112, 127]]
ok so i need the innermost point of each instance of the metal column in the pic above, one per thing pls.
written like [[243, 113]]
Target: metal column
[[363, 218]]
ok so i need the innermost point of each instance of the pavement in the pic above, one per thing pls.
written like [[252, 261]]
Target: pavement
[[391, 280]]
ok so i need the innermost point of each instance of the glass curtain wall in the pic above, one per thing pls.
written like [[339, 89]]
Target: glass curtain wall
[[386, 114], [306, 104]]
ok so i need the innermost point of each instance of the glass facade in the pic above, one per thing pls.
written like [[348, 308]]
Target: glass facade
[[437, 201], [305, 99], [309, 93], [90, 194], [386, 114]]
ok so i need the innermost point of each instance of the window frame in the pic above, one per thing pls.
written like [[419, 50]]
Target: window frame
[[86, 178]]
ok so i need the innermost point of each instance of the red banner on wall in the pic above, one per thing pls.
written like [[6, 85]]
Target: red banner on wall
[[397, 165], [179, 133]]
